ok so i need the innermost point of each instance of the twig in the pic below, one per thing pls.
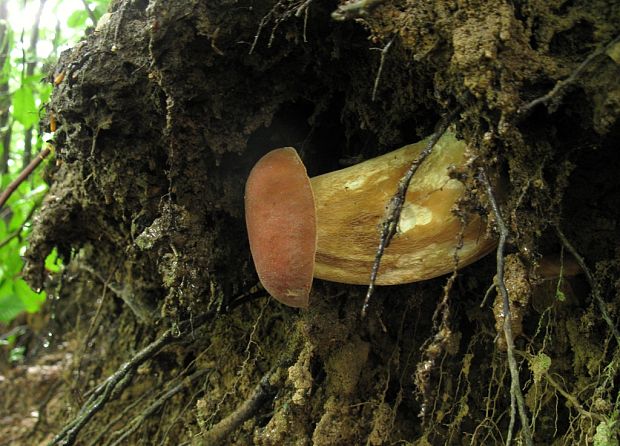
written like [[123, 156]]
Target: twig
[[572, 399], [96, 441], [91, 14], [591, 281], [559, 88], [19, 230], [515, 386], [487, 294], [384, 52], [263, 391], [266, 18], [395, 206], [4, 196]]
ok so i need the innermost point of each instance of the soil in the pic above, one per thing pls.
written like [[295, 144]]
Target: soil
[[166, 106]]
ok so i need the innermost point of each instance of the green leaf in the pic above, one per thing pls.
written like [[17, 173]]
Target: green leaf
[[10, 305], [52, 262], [32, 301], [11, 264], [17, 297], [24, 108], [77, 19], [45, 91]]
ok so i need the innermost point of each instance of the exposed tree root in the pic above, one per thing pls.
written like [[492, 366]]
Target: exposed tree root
[[395, 205], [591, 281], [552, 98], [114, 385], [515, 387]]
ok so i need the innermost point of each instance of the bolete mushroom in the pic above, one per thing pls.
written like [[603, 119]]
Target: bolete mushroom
[[328, 226]]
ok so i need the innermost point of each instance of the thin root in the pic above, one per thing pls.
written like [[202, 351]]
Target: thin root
[[516, 396], [395, 206]]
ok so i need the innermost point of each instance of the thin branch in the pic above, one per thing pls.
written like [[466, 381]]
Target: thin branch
[[4, 196], [515, 386], [5, 98], [556, 93], [592, 282], [384, 52], [96, 441], [303, 8], [114, 385], [263, 22], [91, 14], [19, 230], [395, 206]]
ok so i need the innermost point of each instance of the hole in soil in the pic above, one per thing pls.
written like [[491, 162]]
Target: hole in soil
[[318, 143], [317, 371], [593, 196], [574, 43]]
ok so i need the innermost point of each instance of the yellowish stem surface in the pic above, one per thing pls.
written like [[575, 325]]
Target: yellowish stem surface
[[351, 206]]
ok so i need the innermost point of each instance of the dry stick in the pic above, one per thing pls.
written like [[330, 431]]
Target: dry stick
[[559, 88], [263, 22], [263, 391], [395, 206], [4, 196], [91, 14], [116, 383], [19, 230], [384, 52], [515, 386], [590, 278]]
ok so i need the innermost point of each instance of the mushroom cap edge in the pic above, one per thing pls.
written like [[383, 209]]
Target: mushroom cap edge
[[281, 223]]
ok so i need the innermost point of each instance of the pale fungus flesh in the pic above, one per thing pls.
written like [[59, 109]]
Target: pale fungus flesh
[[351, 206]]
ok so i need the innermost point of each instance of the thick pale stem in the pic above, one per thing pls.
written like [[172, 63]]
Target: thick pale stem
[[350, 207]]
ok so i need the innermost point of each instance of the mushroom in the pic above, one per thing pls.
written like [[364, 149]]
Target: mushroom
[[328, 227], [281, 221]]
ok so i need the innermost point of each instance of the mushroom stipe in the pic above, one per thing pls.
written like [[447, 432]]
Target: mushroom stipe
[[328, 226]]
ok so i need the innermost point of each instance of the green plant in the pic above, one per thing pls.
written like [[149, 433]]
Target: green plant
[[32, 34]]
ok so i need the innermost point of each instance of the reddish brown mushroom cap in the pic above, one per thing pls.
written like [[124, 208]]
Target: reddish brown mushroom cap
[[281, 222]]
